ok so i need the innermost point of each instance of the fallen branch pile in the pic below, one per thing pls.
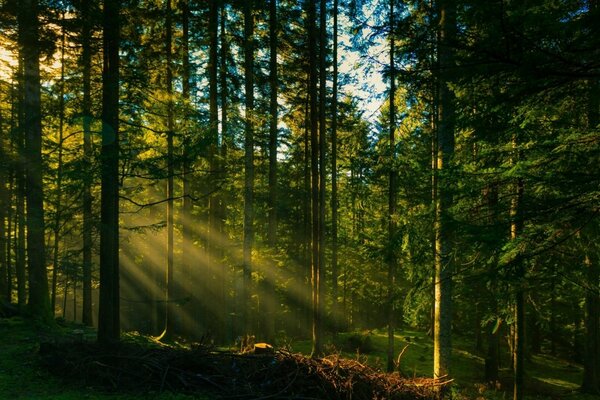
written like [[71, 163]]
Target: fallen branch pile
[[282, 375]]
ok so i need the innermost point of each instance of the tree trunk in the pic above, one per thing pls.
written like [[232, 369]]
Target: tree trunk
[[39, 302], [248, 162], [391, 199], [336, 317], [225, 143], [59, 170], [273, 83], [443, 232], [314, 167], [322, 171], [170, 323], [519, 318], [86, 109], [108, 316]]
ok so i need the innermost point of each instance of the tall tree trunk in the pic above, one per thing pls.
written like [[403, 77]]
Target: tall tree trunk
[[59, 170], [213, 156], [39, 302], [248, 162], [170, 325], [225, 143], [186, 212], [86, 109], [4, 220], [322, 171], [334, 179], [108, 316], [391, 199], [273, 83], [442, 347], [492, 361], [314, 167], [516, 228]]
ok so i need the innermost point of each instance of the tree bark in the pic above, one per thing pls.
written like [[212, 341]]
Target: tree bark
[[273, 131], [170, 323], [443, 232], [59, 171], [108, 316], [39, 302], [314, 167], [336, 317], [86, 109], [391, 199], [248, 163]]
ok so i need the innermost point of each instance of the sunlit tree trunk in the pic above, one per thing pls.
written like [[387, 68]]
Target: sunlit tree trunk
[[442, 347], [86, 109], [248, 162], [314, 168], [59, 171], [39, 302], [268, 284], [391, 199], [108, 316], [273, 140]]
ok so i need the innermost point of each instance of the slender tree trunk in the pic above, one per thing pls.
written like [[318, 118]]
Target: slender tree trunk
[[314, 167], [322, 171], [39, 302], [273, 83], [59, 171], [443, 240], [4, 220], [248, 162], [391, 199], [306, 212], [108, 316], [225, 143], [336, 317], [86, 109], [170, 323], [186, 212], [492, 362], [519, 317]]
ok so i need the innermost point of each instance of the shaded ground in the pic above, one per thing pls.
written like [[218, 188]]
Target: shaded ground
[[133, 367], [22, 375]]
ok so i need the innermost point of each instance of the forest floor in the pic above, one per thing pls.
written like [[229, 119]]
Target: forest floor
[[23, 376]]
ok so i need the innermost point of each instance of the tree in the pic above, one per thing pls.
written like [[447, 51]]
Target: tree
[[273, 129], [108, 316], [86, 110], [248, 161], [442, 346], [391, 198], [29, 47]]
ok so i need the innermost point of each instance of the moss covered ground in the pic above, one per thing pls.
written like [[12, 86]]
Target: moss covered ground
[[23, 377]]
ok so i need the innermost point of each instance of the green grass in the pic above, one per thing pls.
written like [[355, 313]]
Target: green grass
[[21, 376], [547, 378]]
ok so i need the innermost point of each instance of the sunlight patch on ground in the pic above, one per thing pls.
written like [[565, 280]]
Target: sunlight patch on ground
[[559, 382]]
